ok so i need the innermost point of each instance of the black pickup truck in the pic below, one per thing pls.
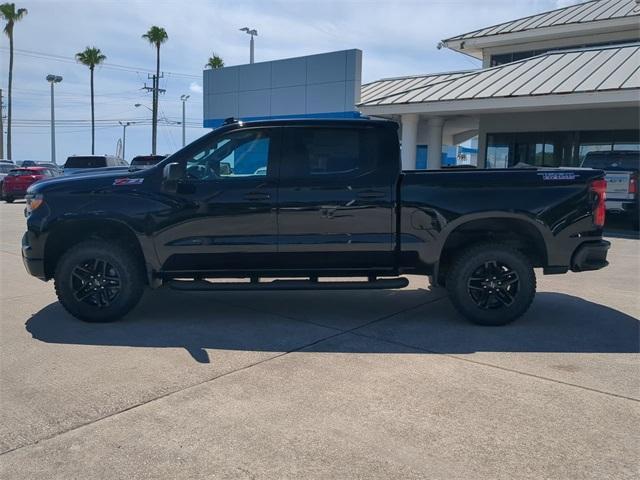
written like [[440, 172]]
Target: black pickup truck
[[311, 204]]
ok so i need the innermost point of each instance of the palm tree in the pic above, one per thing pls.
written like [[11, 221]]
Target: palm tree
[[156, 36], [11, 16], [91, 56], [214, 61]]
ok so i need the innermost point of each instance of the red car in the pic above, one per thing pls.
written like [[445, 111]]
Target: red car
[[19, 179]]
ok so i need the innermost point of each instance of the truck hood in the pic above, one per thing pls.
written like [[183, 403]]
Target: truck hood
[[86, 181]]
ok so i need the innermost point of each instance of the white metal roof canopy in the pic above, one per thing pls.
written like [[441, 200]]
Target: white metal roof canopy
[[579, 74]]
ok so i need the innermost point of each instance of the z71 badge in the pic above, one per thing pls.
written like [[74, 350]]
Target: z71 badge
[[558, 176], [128, 181]]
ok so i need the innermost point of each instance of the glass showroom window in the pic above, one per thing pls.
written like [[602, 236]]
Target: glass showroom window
[[599, 141], [498, 151], [555, 149]]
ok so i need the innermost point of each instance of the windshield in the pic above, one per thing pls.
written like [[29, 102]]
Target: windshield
[[612, 161], [85, 162], [6, 168]]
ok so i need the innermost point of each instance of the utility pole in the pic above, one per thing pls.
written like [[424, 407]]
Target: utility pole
[[154, 117], [254, 33], [124, 136], [1, 129], [53, 79], [184, 99]]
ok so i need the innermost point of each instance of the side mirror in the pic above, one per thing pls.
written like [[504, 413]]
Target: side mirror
[[173, 172], [225, 168]]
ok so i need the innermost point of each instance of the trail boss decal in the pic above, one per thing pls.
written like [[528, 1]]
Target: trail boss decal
[[557, 176], [128, 181]]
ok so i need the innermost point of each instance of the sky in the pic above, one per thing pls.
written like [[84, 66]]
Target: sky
[[397, 38]]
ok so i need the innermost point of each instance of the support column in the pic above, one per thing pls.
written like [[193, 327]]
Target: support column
[[434, 142], [409, 141], [482, 148]]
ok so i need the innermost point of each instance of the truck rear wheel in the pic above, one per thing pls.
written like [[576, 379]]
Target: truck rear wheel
[[97, 281], [491, 284]]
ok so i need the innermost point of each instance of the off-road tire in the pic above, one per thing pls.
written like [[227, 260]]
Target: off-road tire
[[122, 264], [465, 289]]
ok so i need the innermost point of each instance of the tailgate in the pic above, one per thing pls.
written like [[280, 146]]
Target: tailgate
[[618, 185], [20, 182]]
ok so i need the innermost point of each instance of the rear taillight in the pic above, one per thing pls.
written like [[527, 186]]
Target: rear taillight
[[633, 184], [599, 188]]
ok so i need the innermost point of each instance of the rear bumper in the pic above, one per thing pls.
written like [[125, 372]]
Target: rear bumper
[[622, 206], [14, 193], [32, 262], [590, 256]]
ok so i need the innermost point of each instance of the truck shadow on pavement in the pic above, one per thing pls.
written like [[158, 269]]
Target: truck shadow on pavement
[[392, 322]]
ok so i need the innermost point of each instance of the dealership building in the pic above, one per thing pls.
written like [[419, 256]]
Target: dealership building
[[553, 87]]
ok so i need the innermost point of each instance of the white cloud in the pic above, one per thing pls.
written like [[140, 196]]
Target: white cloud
[[195, 87]]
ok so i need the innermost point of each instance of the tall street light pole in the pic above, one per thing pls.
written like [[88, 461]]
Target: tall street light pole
[[254, 33], [184, 99], [53, 79], [124, 136], [138, 105]]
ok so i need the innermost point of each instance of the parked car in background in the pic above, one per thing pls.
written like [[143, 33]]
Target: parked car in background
[[146, 161], [52, 166], [17, 181], [77, 163], [5, 168], [26, 163], [621, 169]]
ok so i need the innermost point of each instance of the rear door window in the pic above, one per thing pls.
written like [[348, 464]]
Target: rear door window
[[320, 152]]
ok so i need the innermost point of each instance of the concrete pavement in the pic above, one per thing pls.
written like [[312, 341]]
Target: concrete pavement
[[321, 384]]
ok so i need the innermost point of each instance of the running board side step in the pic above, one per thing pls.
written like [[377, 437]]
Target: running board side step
[[205, 286]]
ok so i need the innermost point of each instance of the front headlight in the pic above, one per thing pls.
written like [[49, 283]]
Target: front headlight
[[33, 202]]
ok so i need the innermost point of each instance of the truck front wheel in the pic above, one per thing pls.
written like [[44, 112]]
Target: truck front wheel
[[491, 284], [97, 281]]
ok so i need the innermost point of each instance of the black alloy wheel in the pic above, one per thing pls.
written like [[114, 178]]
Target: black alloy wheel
[[95, 282], [494, 285]]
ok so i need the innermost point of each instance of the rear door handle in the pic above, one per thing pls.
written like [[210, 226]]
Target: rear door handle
[[257, 196], [370, 194]]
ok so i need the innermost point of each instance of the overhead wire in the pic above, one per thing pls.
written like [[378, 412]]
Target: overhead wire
[[111, 66]]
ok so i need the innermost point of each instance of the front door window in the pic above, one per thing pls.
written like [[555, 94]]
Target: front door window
[[239, 154]]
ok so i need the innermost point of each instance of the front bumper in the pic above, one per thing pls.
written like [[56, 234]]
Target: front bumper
[[590, 256], [32, 262]]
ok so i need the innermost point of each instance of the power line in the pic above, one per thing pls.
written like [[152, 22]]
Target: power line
[[110, 66]]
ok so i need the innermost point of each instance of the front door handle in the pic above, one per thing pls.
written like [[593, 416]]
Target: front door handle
[[370, 194], [257, 196]]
